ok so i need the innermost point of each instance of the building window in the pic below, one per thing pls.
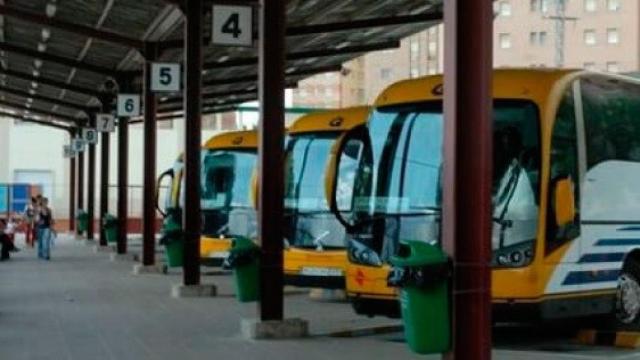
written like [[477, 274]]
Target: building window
[[415, 73], [545, 6], [613, 36], [534, 5], [505, 41], [533, 38], [542, 37], [612, 66], [613, 5], [433, 49], [590, 37], [590, 5], [505, 8], [589, 66], [385, 73]]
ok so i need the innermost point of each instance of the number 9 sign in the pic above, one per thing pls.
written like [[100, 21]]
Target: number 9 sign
[[232, 25], [128, 105]]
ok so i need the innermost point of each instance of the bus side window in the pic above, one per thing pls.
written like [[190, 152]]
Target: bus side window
[[564, 164]]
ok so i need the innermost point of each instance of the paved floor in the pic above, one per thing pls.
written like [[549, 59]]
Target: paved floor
[[80, 305]]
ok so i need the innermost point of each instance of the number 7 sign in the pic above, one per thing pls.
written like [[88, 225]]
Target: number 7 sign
[[232, 25]]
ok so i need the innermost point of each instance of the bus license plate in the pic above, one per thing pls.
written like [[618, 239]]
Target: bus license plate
[[320, 271], [219, 254]]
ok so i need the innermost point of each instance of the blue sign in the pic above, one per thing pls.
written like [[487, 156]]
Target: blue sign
[[4, 198]]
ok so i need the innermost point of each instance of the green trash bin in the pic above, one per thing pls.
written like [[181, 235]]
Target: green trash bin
[[244, 259], [110, 224], [422, 272], [83, 221], [172, 239]]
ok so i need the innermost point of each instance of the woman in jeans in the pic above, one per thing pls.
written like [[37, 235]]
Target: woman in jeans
[[45, 227]]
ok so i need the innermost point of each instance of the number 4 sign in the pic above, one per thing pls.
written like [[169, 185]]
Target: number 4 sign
[[128, 105], [232, 25], [165, 77]]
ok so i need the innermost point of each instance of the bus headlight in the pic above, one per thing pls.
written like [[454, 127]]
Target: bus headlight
[[362, 254], [518, 255]]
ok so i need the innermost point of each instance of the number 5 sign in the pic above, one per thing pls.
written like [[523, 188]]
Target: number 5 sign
[[165, 77], [128, 105], [232, 25]]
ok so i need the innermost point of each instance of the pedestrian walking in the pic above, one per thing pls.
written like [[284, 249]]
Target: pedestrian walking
[[29, 216], [46, 231]]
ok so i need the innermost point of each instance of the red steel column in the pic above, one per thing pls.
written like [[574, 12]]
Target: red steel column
[[104, 182], [72, 193], [467, 168], [149, 187], [271, 184], [123, 183], [192, 145], [91, 187], [81, 181]]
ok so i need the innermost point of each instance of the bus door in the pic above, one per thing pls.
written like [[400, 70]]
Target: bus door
[[563, 247], [611, 201]]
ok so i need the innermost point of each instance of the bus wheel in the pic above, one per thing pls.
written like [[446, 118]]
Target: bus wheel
[[628, 294]]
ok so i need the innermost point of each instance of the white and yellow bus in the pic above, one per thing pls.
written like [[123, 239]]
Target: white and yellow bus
[[315, 242], [227, 199], [566, 193]]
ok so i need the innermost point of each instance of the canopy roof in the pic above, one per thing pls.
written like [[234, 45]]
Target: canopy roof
[[55, 56]]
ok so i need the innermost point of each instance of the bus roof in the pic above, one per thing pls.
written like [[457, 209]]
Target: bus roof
[[331, 120], [243, 139], [533, 84]]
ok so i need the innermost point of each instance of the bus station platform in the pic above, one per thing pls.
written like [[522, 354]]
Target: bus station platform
[[82, 305]]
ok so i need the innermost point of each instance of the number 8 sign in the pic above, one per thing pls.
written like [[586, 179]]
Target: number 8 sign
[[232, 25]]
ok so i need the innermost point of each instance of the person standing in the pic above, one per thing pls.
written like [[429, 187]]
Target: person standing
[[45, 228], [6, 245], [29, 216]]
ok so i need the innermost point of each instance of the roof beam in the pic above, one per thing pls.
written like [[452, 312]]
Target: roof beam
[[40, 122], [38, 111], [47, 99], [363, 24], [57, 59], [252, 78], [53, 83], [307, 54], [336, 26], [81, 30]]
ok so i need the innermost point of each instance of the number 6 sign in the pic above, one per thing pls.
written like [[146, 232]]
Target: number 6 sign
[[128, 105], [165, 77], [232, 25]]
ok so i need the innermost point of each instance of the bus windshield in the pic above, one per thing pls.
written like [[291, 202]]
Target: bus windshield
[[398, 186], [226, 192], [309, 223]]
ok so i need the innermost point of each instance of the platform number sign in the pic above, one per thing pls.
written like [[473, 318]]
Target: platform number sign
[[68, 151], [105, 123], [165, 77], [128, 105], [90, 136], [77, 144], [232, 25]]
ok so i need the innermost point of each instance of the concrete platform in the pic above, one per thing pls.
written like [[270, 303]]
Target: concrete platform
[[282, 329], [81, 306], [193, 291], [139, 269]]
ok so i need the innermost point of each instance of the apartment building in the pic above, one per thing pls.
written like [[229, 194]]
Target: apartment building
[[599, 35]]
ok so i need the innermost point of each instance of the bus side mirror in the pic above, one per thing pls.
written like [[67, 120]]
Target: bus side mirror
[[254, 191], [564, 202], [170, 174], [330, 179]]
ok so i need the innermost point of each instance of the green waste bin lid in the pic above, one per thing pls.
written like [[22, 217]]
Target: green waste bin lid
[[241, 243], [418, 253], [171, 225]]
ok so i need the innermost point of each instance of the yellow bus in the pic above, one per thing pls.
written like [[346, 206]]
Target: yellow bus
[[227, 198], [566, 200], [315, 248]]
